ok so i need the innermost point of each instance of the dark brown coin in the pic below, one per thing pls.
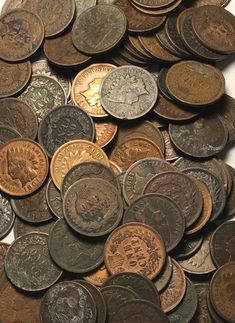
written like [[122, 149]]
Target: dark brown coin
[[170, 152], [135, 43], [212, 311], [35, 269], [33, 208], [68, 302], [129, 57], [99, 29], [93, 207], [60, 51], [199, 3], [222, 244], [62, 124], [229, 209], [22, 33], [182, 190], [3, 250], [73, 252], [142, 286], [162, 214], [164, 277], [22, 227], [7, 134], [89, 169], [54, 200], [19, 116], [188, 246], [222, 291], [164, 40], [7, 216], [227, 112], [161, 82], [215, 28], [139, 174], [202, 313], [204, 137], [159, 11]]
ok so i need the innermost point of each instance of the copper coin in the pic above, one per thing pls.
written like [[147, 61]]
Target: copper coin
[[161, 82], [85, 88], [188, 246], [170, 152], [202, 313], [135, 247], [115, 168], [199, 3], [226, 112], [174, 292], [54, 199], [22, 33], [195, 83], [98, 277], [135, 43], [153, 4], [3, 250], [222, 244], [14, 77], [164, 41], [163, 278], [159, 11], [24, 167], [9, 5], [71, 154], [222, 291], [22, 227], [208, 21], [7, 134], [104, 132], [212, 311]]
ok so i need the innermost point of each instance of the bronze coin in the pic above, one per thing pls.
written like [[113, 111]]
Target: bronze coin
[[9, 5], [229, 209], [170, 151], [115, 168], [98, 276], [208, 21], [54, 199], [104, 132], [135, 43], [24, 167], [99, 29], [153, 4], [195, 83], [182, 190], [14, 77], [159, 11], [212, 311], [188, 246], [226, 112], [222, 244], [161, 82], [7, 134], [199, 3], [22, 33], [222, 291], [3, 250], [135, 247], [133, 59], [164, 41], [202, 313], [22, 227], [163, 278]]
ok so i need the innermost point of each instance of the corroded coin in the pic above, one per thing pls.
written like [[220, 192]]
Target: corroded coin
[[3, 250], [98, 276], [7, 216], [93, 207], [22, 227], [73, 252], [163, 278], [22, 33], [68, 302], [19, 116], [73, 153], [135, 247], [24, 167], [202, 312], [99, 29], [7, 134], [85, 88], [128, 92], [54, 200], [35, 269], [104, 132], [14, 77]]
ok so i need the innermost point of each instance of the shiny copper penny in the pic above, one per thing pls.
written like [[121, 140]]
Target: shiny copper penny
[[24, 167], [136, 248], [104, 132], [98, 277]]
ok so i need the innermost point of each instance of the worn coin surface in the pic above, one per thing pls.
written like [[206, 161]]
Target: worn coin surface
[[212, 311], [73, 252], [7, 134], [135, 247], [202, 312], [3, 250], [22, 33], [199, 3], [171, 153], [99, 29], [98, 276], [188, 246], [226, 112], [68, 302], [54, 199], [35, 269], [104, 132], [163, 278], [82, 5], [24, 167], [156, 4], [22, 227], [7, 216]]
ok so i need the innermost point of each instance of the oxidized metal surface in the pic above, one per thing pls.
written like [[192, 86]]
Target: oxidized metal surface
[[104, 132], [3, 250], [7, 134], [54, 199], [154, 4], [188, 246], [98, 277], [82, 5], [28, 264], [163, 278], [227, 112], [22, 227], [170, 152], [202, 313], [7, 216]]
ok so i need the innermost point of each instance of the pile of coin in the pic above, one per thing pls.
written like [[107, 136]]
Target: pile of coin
[[109, 170]]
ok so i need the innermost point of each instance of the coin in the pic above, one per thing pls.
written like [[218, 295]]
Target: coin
[[71, 251], [19, 116], [3, 250], [24, 167], [10, 5], [212, 311], [161, 82], [7, 216], [43, 94], [82, 5], [188, 246], [202, 312], [35, 269], [135, 43], [85, 88], [93, 207], [22, 227], [207, 21], [222, 291], [54, 200], [7, 134], [226, 112], [158, 11], [68, 302], [14, 77], [163, 278], [98, 29], [188, 82], [199, 3], [128, 92], [170, 152], [104, 132], [26, 29], [135, 247], [229, 209], [153, 4], [164, 41], [98, 276]]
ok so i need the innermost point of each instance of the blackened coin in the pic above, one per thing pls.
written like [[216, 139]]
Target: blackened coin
[[22, 227], [7, 133], [7, 216], [54, 199], [163, 278]]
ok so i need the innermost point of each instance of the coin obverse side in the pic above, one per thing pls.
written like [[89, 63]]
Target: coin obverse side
[[7, 216]]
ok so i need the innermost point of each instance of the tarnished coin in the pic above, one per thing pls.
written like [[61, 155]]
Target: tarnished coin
[[164, 41], [202, 312], [19, 116], [161, 82], [163, 278], [82, 5], [35, 269], [54, 200], [10, 5], [170, 151], [135, 247], [85, 88], [212, 311], [3, 250], [22, 227], [99, 29], [7, 216], [73, 153], [14, 77], [7, 134], [73, 252], [182, 190], [68, 302], [222, 244], [159, 11], [156, 4], [229, 209], [162, 214], [22, 33], [43, 94], [188, 246], [93, 207], [128, 92], [24, 167], [199, 3], [98, 276], [104, 132], [208, 21], [222, 291], [226, 112]]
